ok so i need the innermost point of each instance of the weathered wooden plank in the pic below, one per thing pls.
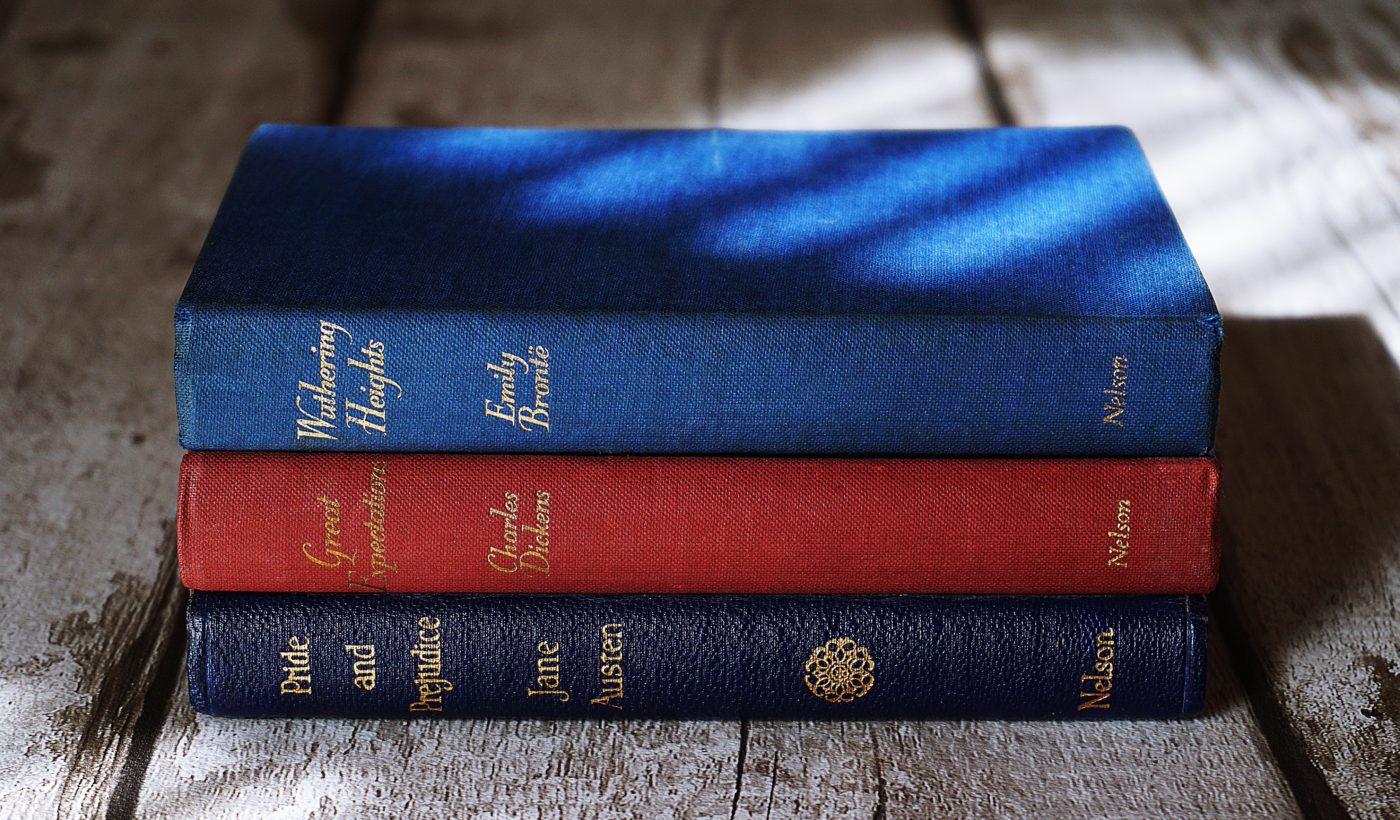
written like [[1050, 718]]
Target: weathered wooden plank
[[373, 768], [1272, 129], [630, 63], [611, 63], [119, 124], [1310, 432], [1276, 133], [832, 64]]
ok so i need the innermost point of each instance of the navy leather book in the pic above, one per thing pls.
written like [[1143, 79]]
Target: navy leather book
[[987, 292], [696, 656]]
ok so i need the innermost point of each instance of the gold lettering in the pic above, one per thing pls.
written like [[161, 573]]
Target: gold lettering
[[536, 557], [501, 411], [524, 546], [312, 425], [365, 414], [363, 668], [1095, 690], [511, 407], [1117, 392], [296, 669], [318, 424], [374, 500], [1119, 536], [427, 652], [509, 563], [537, 417], [379, 382], [1093, 700], [547, 675], [330, 554], [610, 671]]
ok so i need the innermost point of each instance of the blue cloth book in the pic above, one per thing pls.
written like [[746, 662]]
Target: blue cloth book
[[696, 656], [984, 292]]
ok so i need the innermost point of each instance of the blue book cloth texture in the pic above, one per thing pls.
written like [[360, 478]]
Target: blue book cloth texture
[[990, 292], [696, 656]]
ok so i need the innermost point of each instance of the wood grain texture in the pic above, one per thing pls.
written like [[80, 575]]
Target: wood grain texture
[[611, 63], [119, 125], [1272, 129], [372, 769], [830, 64], [1275, 131], [1310, 432], [759, 66]]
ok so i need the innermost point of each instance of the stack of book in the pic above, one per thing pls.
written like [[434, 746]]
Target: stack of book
[[711, 424]]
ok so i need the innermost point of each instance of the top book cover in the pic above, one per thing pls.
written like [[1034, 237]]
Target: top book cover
[[982, 292]]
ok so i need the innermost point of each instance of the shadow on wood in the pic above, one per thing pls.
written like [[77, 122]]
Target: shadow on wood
[[1309, 441]]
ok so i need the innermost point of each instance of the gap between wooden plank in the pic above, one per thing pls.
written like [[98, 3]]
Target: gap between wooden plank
[[155, 709], [1309, 787], [713, 78], [343, 39], [344, 47], [119, 691], [739, 768], [965, 18]]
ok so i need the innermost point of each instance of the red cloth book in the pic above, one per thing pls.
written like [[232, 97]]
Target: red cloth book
[[336, 522]]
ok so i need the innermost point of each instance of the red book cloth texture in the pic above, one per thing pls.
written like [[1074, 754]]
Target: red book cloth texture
[[337, 522]]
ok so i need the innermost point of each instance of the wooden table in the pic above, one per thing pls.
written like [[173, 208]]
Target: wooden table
[[1275, 130]]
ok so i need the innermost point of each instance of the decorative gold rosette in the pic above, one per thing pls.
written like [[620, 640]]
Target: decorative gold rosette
[[839, 671]]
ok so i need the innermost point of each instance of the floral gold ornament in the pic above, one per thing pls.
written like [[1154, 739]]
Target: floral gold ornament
[[839, 671]]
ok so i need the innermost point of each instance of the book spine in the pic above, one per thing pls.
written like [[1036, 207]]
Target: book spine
[[346, 522], [261, 378], [762, 657]]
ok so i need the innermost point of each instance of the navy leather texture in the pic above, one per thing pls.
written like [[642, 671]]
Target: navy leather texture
[[697, 656], [944, 292]]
